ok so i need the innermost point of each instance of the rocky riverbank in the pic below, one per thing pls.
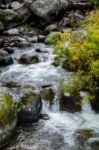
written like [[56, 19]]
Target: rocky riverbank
[[29, 80]]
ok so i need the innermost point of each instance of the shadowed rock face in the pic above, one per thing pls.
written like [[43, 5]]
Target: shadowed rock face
[[70, 103]]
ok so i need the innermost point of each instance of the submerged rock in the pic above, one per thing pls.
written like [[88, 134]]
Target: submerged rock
[[30, 111], [8, 118]]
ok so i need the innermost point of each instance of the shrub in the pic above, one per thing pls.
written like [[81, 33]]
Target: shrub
[[82, 53]]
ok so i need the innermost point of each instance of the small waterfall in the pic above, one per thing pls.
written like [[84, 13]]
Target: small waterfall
[[86, 108]]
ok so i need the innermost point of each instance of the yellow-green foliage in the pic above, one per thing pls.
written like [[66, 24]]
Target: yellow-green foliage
[[75, 82], [7, 109], [82, 52]]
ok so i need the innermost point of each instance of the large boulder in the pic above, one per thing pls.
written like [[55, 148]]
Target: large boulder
[[8, 119], [48, 10], [5, 58], [31, 109]]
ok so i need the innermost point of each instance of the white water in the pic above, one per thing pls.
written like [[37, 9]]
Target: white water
[[57, 133]]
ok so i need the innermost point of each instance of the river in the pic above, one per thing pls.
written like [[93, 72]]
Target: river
[[59, 132]]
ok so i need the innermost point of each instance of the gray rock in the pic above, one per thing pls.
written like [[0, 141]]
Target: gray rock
[[15, 5], [41, 38], [9, 18], [24, 44], [5, 58], [22, 39], [21, 9], [48, 10], [13, 31], [7, 15]]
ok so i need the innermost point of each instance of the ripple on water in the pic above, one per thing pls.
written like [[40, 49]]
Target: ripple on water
[[57, 133]]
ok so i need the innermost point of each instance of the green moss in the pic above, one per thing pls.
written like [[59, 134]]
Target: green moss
[[7, 109]]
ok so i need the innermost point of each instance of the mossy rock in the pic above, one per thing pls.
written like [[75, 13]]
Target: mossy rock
[[29, 107], [7, 109], [8, 118], [47, 94]]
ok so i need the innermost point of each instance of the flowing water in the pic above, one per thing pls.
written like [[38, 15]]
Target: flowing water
[[59, 132]]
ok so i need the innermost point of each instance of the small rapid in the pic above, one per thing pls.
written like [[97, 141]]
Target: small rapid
[[59, 132]]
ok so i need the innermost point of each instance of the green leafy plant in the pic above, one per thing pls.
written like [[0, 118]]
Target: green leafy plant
[[81, 54]]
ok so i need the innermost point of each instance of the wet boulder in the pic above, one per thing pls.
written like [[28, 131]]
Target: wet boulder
[[48, 10], [8, 118], [31, 109], [5, 58], [28, 59], [70, 103]]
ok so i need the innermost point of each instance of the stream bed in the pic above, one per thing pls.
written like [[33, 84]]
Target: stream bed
[[60, 132]]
